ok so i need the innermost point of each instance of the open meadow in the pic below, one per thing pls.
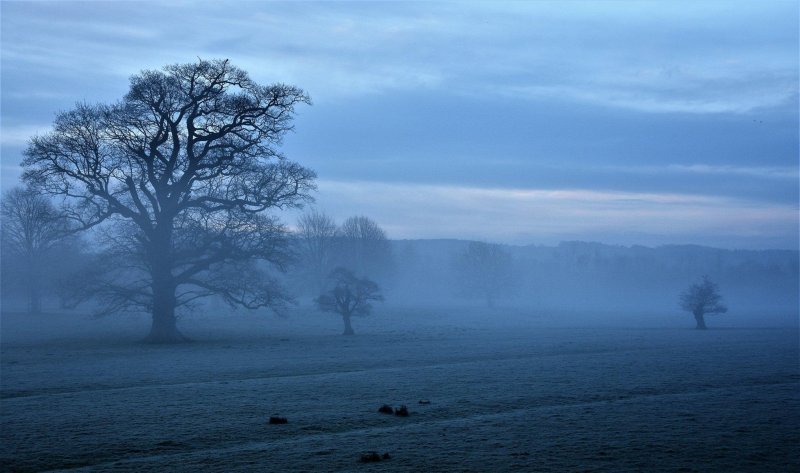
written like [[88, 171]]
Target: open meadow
[[539, 392]]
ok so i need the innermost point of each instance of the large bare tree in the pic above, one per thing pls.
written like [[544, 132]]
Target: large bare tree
[[186, 167]]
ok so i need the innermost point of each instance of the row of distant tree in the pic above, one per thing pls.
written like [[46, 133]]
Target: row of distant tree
[[47, 258], [43, 257]]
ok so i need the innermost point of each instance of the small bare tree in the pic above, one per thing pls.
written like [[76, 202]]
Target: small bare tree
[[349, 296], [32, 228], [316, 234], [702, 298], [363, 247]]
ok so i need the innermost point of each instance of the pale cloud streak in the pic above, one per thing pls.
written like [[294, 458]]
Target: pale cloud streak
[[754, 171], [762, 172], [20, 135], [547, 215]]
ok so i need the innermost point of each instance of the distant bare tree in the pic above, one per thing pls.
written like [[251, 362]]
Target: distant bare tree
[[316, 234], [349, 296], [702, 298], [484, 270], [363, 247], [185, 167], [32, 230]]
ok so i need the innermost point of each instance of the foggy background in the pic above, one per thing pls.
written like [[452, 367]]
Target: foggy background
[[573, 283]]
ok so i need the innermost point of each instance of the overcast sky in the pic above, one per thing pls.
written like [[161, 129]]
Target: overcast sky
[[625, 122]]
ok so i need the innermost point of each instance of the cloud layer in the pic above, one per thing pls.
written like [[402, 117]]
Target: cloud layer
[[523, 121]]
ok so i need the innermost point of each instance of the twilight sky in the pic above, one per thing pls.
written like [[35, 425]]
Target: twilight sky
[[626, 122]]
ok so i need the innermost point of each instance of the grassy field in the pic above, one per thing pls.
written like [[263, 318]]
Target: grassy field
[[508, 391]]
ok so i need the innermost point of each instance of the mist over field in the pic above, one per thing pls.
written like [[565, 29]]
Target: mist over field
[[399, 236], [585, 362]]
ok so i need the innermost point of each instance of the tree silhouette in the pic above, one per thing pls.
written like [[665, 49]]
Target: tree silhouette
[[363, 247], [702, 298], [181, 173], [349, 296], [484, 270], [32, 230], [316, 235]]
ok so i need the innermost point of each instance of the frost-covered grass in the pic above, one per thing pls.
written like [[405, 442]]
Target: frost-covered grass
[[510, 390]]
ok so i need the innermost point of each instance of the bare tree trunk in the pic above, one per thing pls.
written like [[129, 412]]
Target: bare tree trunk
[[164, 328], [701, 322], [348, 328]]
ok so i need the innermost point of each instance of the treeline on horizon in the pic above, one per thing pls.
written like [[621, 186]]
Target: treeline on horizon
[[592, 275], [570, 275]]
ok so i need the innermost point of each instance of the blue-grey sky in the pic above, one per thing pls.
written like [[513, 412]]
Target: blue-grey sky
[[523, 122]]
